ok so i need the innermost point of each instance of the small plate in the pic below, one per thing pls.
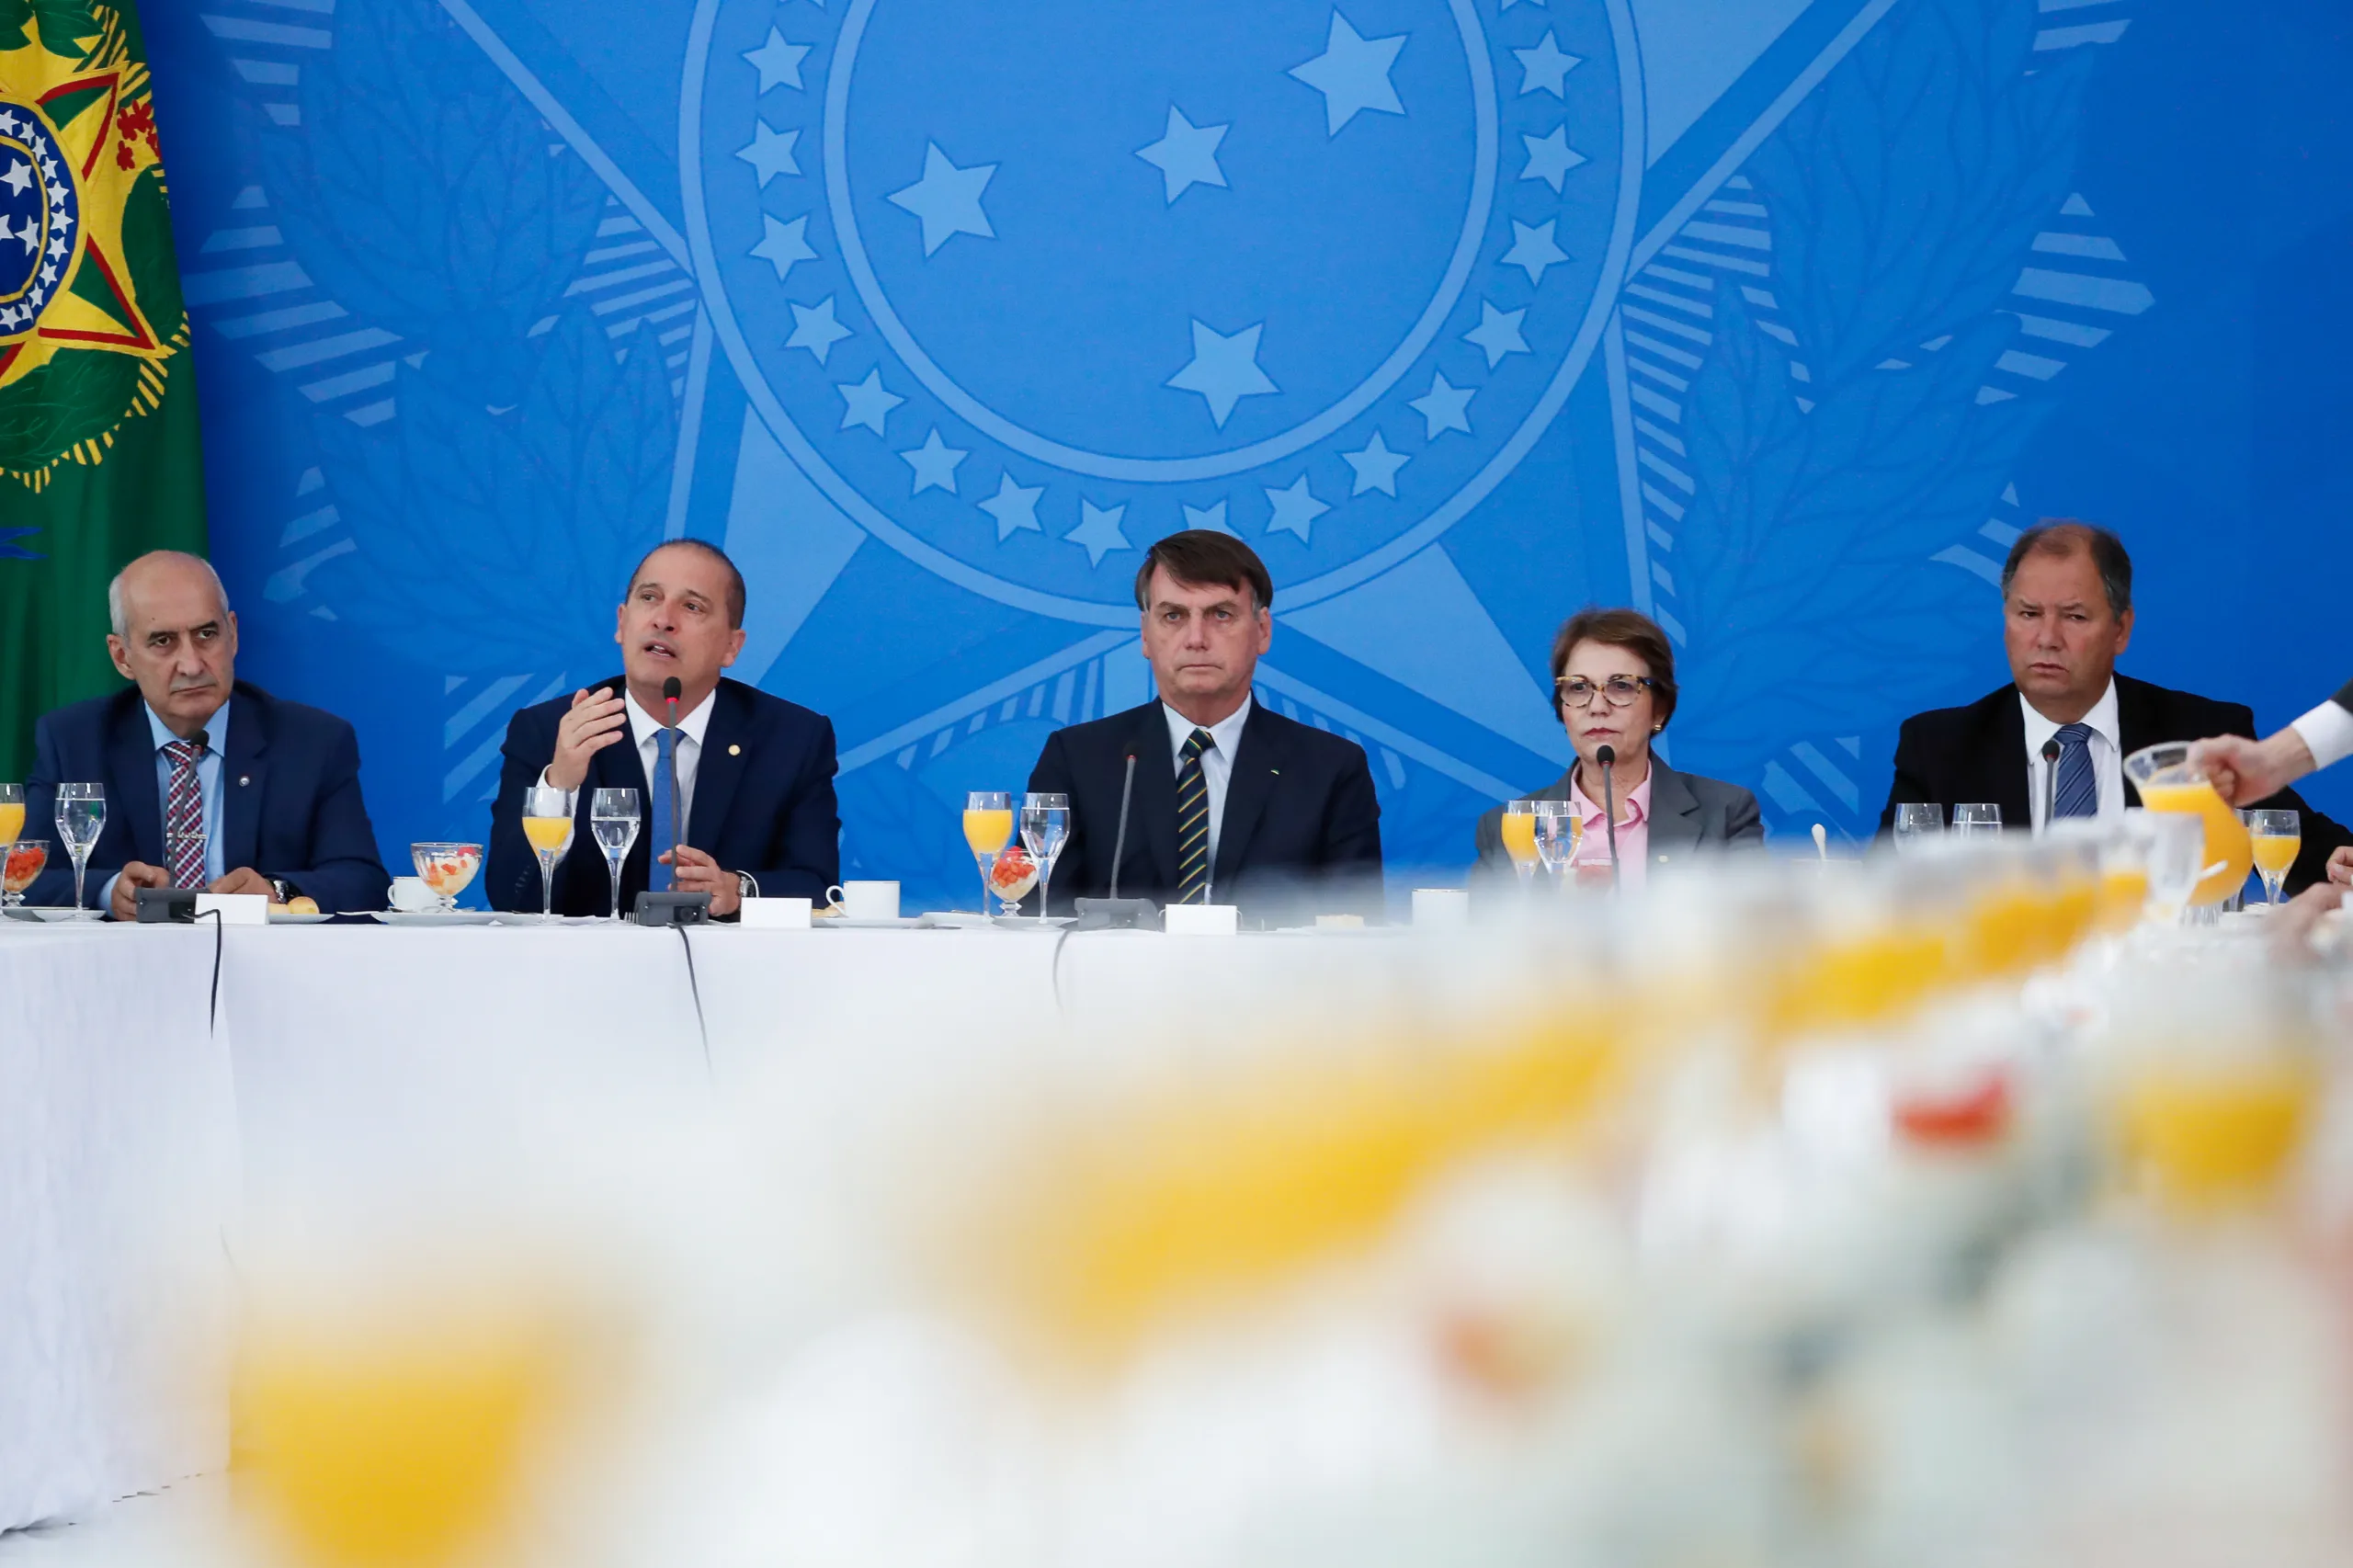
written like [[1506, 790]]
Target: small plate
[[843, 923], [1029, 922], [955, 920], [52, 915], [292, 917], [436, 916]]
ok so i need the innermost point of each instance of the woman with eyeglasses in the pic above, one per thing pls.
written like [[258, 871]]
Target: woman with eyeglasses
[[1613, 684]]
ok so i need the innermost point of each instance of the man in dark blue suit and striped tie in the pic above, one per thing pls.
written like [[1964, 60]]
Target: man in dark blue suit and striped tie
[[755, 803], [2053, 742], [1232, 803]]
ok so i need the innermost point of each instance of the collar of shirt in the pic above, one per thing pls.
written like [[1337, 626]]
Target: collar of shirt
[[1226, 732], [216, 731], [1636, 801], [2102, 719], [644, 726]]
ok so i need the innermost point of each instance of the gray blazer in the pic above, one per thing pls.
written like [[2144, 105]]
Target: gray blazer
[[1689, 815]]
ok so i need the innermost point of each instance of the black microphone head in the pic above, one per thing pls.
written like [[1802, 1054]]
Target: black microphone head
[[2051, 749], [1605, 754], [671, 689], [202, 740]]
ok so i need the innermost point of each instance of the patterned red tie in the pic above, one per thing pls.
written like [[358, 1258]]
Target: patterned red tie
[[184, 816]]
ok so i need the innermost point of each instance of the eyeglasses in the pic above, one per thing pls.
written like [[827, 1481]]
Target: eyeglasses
[[1621, 690]]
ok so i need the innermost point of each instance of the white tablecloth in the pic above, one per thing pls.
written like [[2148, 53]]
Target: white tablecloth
[[115, 1164]]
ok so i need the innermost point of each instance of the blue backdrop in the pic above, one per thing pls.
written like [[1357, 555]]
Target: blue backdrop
[[1775, 320]]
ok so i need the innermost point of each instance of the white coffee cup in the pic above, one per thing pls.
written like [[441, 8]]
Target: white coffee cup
[[864, 901], [411, 896], [1441, 909]]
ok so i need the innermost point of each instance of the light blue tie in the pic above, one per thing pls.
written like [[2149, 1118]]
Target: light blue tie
[[665, 741], [2077, 794]]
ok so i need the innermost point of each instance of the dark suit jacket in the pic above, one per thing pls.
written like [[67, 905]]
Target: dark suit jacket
[[1690, 813], [1950, 755], [1301, 834], [289, 797], [763, 803]]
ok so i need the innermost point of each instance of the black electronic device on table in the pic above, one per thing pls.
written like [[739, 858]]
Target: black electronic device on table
[[167, 906], [672, 908]]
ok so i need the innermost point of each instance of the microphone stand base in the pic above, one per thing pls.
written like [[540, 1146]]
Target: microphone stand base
[[1117, 915], [672, 908]]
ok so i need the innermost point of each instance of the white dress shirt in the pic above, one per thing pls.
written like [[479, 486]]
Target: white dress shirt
[[1217, 763], [2106, 746], [2327, 730], [644, 728]]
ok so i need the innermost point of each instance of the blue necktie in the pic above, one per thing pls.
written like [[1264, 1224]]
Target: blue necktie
[[2078, 793], [665, 741]]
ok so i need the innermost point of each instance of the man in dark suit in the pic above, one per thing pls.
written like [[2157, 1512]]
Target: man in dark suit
[[1232, 802], [2067, 608], [211, 782], [755, 773]]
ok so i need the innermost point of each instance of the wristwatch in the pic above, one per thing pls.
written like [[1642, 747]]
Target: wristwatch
[[280, 890]]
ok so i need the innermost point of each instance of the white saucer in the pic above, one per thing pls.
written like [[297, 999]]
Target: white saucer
[[843, 923], [436, 916], [49, 913], [290, 917]]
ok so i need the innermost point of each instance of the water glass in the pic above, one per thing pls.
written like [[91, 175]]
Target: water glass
[[2177, 854], [1973, 819], [547, 823], [613, 817], [1558, 829], [81, 817], [1916, 822], [1045, 828]]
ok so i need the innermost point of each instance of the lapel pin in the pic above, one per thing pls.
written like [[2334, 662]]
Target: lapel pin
[[1276, 772], [735, 751], [243, 780]]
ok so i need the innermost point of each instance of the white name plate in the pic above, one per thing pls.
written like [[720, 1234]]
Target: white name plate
[[1202, 919], [236, 908], [776, 913]]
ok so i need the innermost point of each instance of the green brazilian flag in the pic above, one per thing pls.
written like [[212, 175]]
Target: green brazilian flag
[[98, 454]]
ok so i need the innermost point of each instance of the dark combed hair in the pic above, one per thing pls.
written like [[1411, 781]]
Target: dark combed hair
[[1620, 628], [2065, 535], [1202, 557], [734, 577]]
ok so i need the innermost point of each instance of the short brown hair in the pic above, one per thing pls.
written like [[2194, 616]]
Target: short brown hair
[[2064, 536], [1620, 628], [1202, 557], [734, 577]]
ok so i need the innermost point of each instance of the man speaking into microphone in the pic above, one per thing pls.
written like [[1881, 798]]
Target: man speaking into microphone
[[1231, 802], [734, 786]]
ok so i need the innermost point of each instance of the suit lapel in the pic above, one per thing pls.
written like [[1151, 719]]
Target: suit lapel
[[720, 766], [131, 765], [2137, 724], [1675, 813], [1154, 819], [243, 776], [2006, 764], [1256, 768]]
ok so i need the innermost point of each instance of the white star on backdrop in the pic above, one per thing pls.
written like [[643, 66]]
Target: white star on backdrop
[[1550, 158], [1295, 506], [1098, 532], [867, 403], [814, 328], [935, 463], [1443, 407], [29, 234], [19, 176], [947, 199], [778, 62], [1352, 73], [783, 245], [771, 151], [1014, 507], [1224, 370], [1532, 248], [1376, 467], [1497, 333], [1187, 154], [1209, 518], [1545, 68]]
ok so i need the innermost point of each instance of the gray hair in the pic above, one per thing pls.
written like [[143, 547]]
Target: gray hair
[[121, 621], [2065, 535]]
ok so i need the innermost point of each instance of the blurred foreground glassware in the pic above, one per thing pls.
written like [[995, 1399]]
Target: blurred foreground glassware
[[1918, 822], [2169, 782], [1973, 818], [613, 817], [81, 817], [2275, 838], [1045, 827], [446, 869], [547, 823], [2173, 847]]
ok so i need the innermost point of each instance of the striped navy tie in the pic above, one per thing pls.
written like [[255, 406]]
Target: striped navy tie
[[2078, 793], [1193, 823]]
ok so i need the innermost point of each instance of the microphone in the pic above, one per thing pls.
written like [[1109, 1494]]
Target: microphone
[[2050, 782], [1605, 755], [1120, 841], [202, 740]]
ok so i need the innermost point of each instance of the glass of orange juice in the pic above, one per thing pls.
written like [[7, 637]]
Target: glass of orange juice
[[2170, 782], [988, 827], [1519, 838], [12, 813], [547, 823], [2275, 836]]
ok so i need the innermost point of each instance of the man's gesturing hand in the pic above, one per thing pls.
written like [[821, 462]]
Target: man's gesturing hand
[[595, 721], [693, 870], [137, 874]]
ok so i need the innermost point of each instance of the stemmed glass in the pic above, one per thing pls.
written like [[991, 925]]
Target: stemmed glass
[[547, 823], [1558, 831], [81, 817], [1970, 820], [1916, 822], [613, 817], [2278, 835], [447, 868], [988, 827], [21, 861], [1045, 827], [2177, 849], [12, 813], [1519, 838]]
